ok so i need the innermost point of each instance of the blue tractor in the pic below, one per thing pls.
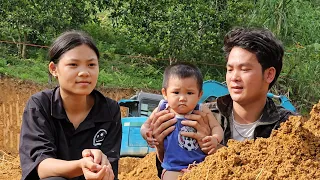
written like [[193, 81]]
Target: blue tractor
[[140, 106]]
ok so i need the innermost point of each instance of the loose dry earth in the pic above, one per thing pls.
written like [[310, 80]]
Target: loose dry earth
[[292, 152]]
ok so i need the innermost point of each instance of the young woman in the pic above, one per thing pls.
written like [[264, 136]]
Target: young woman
[[71, 131]]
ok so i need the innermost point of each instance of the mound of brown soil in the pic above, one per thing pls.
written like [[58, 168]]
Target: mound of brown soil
[[9, 167], [127, 164], [292, 152], [138, 169]]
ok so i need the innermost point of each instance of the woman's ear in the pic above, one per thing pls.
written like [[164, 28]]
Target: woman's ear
[[52, 69], [269, 74], [164, 93]]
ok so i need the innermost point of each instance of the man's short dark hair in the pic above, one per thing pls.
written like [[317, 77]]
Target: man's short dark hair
[[182, 70], [267, 48]]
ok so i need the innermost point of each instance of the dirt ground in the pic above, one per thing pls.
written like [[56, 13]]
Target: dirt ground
[[292, 152]]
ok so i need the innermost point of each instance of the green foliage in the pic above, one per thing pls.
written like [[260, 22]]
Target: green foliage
[[16, 67], [40, 21], [183, 30], [272, 14], [300, 76], [126, 72], [189, 31], [294, 21], [304, 23]]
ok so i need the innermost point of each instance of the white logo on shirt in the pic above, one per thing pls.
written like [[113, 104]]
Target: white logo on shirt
[[99, 137], [187, 142]]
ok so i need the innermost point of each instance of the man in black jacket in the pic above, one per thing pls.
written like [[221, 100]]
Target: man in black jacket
[[253, 62]]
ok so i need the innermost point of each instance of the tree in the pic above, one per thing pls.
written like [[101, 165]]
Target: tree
[[184, 30], [41, 20]]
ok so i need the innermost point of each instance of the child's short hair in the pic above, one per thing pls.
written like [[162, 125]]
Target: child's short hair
[[182, 70]]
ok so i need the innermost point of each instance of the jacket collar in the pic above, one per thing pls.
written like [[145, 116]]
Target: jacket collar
[[270, 112]]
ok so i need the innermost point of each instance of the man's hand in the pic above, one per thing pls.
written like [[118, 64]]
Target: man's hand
[[162, 125], [198, 120], [146, 130], [156, 128]]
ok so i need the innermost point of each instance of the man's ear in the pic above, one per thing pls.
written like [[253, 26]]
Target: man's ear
[[52, 69], [269, 74], [164, 93]]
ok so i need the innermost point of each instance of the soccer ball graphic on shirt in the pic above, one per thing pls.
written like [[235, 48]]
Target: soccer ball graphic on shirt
[[187, 142]]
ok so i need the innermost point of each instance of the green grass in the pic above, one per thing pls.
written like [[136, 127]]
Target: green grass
[[27, 69], [116, 73]]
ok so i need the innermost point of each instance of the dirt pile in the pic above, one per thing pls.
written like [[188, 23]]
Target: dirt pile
[[138, 168], [292, 152], [9, 167]]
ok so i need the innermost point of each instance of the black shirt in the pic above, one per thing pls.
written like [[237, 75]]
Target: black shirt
[[46, 131]]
